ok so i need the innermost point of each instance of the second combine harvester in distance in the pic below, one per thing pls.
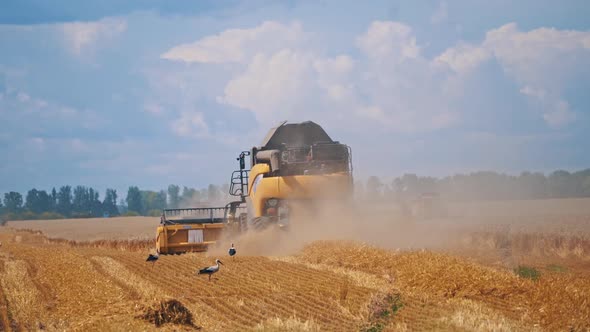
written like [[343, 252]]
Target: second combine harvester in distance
[[296, 166]]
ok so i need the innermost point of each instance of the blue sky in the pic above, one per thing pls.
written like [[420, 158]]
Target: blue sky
[[119, 93]]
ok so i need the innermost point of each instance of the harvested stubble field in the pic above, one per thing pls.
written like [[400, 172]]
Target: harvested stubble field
[[92, 229], [464, 283]]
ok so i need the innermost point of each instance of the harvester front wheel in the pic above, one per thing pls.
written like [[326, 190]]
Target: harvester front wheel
[[259, 223]]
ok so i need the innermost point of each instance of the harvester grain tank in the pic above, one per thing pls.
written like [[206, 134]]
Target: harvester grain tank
[[296, 165]]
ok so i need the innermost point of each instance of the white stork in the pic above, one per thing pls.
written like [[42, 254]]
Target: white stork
[[211, 269], [153, 258], [232, 251]]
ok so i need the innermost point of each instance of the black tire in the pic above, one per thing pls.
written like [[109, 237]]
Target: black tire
[[243, 222], [259, 223]]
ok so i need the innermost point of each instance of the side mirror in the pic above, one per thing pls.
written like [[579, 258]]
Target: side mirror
[[242, 159]]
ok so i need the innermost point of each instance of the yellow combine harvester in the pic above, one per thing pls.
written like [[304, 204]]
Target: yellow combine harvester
[[297, 164]]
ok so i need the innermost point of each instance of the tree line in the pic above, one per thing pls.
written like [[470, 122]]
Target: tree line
[[145, 202], [67, 202], [480, 186], [85, 202]]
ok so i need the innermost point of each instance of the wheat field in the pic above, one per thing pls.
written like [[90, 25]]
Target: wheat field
[[53, 279]]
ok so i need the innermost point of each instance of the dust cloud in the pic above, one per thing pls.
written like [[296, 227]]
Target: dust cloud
[[352, 221], [527, 226]]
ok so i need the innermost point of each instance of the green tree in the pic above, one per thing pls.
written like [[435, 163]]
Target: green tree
[[153, 202], [147, 201], [581, 180], [134, 199], [31, 200], [109, 204], [44, 202], [38, 201], [13, 201], [122, 207], [95, 206], [81, 202], [560, 185], [160, 201], [586, 187], [190, 196], [86, 202], [53, 199], [532, 185], [64, 201], [173, 196], [410, 183]]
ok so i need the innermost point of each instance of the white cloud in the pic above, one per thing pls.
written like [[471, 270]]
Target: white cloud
[[336, 77], [23, 97], [273, 86], [24, 114], [556, 112], [526, 55], [542, 61], [339, 66], [398, 88], [544, 55], [297, 84], [391, 41], [41, 103], [391, 86], [80, 36], [373, 112], [191, 125], [31, 103], [463, 57], [533, 92], [238, 45], [559, 115], [174, 92]]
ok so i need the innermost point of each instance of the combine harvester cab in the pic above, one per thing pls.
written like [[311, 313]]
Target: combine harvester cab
[[296, 167]]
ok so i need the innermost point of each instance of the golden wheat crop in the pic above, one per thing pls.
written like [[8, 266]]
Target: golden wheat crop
[[103, 283], [554, 302], [92, 229]]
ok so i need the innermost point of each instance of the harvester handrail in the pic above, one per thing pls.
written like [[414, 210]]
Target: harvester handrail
[[195, 209], [183, 212], [202, 214]]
